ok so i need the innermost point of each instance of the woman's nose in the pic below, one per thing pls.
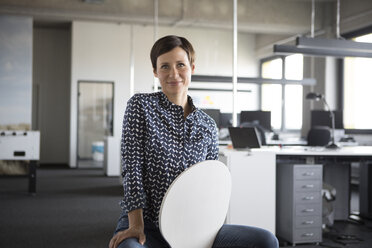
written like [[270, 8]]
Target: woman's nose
[[174, 72]]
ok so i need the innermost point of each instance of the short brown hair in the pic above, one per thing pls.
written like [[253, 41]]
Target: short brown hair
[[168, 43]]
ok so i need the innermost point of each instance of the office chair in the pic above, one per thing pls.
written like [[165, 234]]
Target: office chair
[[195, 205], [319, 136]]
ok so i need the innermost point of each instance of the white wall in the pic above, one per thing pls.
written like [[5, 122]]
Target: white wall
[[213, 50], [101, 51]]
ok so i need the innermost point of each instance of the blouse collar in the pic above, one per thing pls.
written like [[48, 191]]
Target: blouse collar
[[165, 101]]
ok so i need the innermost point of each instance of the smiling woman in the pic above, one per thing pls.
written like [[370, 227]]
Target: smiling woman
[[174, 73], [172, 60], [163, 135]]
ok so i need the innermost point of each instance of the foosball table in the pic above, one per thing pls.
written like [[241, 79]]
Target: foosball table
[[22, 145]]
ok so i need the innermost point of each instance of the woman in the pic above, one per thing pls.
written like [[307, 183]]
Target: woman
[[163, 134]]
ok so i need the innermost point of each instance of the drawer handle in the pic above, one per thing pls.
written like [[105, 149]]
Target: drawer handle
[[308, 234], [308, 174], [308, 198], [308, 210], [308, 186], [308, 222]]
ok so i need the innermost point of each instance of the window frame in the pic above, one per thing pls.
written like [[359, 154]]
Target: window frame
[[341, 70], [283, 104]]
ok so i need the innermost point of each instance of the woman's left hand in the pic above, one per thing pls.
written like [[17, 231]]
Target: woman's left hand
[[131, 232]]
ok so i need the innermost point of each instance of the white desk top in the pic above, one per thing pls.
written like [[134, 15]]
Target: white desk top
[[309, 151], [321, 151]]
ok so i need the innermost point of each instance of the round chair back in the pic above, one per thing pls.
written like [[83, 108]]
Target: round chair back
[[195, 205]]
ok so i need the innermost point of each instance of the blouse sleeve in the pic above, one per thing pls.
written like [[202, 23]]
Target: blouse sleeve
[[132, 155], [213, 147]]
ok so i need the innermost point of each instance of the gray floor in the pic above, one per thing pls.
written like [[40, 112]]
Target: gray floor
[[343, 234], [72, 208], [89, 164], [79, 208]]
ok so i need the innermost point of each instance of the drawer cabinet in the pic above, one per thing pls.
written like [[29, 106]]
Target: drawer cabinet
[[299, 203]]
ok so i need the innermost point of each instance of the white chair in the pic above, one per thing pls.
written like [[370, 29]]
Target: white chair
[[195, 206]]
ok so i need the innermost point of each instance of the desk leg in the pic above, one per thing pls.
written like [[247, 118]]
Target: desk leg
[[365, 190], [32, 177]]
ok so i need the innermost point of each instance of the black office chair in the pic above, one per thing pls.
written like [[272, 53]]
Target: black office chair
[[319, 136]]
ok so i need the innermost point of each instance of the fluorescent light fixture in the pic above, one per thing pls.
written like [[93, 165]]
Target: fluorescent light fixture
[[333, 44], [326, 47], [321, 52], [251, 80]]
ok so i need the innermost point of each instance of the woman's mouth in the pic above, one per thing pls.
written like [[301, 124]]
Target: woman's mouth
[[174, 83]]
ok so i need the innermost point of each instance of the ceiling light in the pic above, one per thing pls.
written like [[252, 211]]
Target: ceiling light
[[338, 47], [333, 44], [321, 52]]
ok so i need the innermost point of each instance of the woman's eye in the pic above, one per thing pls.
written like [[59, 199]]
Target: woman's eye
[[181, 65], [164, 67]]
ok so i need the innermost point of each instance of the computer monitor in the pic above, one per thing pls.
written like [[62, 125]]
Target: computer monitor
[[323, 118], [244, 137], [215, 114], [262, 118], [226, 120]]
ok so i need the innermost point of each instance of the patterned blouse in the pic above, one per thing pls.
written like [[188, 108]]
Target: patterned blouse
[[157, 144]]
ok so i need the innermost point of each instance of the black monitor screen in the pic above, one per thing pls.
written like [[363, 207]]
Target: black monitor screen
[[226, 120], [244, 137], [215, 114], [323, 118], [263, 118]]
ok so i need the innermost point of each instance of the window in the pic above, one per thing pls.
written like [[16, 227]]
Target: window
[[357, 89], [284, 101]]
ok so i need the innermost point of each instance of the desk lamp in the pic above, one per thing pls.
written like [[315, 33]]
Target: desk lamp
[[318, 97]]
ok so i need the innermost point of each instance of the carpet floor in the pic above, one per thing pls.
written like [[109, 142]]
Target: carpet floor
[[80, 207], [71, 208]]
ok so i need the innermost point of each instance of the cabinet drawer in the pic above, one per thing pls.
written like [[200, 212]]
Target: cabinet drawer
[[307, 235], [307, 197], [307, 185], [308, 221], [303, 172], [308, 209]]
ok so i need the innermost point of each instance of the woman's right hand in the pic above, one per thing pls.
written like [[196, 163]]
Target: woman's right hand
[[131, 232]]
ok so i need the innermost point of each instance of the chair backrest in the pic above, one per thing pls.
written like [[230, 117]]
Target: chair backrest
[[319, 136], [195, 205]]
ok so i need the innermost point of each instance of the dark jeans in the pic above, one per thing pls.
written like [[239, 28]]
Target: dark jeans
[[229, 236]]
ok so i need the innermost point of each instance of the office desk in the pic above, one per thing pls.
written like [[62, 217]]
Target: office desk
[[356, 152], [256, 182], [253, 180], [336, 172]]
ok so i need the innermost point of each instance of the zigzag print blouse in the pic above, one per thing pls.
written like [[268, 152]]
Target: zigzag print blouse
[[157, 144]]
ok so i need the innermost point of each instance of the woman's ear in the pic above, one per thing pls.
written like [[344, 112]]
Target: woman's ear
[[192, 68], [155, 73]]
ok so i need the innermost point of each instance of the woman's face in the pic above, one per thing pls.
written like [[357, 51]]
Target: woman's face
[[174, 72]]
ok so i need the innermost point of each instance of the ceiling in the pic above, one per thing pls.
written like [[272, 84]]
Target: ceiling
[[281, 17], [255, 16]]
